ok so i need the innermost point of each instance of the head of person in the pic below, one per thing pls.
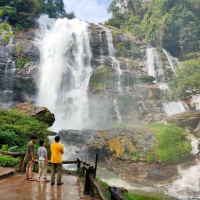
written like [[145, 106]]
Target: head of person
[[33, 139], [57, 138], [42, 143]]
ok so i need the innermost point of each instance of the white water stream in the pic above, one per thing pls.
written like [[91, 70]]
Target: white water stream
[[7, 74], [64, 71], [116, 66], [154, 66]]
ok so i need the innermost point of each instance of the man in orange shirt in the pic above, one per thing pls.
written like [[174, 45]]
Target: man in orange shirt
[[56, 161]]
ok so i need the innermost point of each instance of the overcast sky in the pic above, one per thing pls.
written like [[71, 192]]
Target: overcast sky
[[93, 11]]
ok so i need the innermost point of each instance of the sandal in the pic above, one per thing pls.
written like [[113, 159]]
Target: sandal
[[46, 180]]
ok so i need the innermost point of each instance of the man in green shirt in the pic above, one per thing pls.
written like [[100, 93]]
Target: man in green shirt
[[30, 158]]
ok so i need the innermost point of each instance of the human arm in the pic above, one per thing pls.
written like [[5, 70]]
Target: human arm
[[62, 150], [32, 156]]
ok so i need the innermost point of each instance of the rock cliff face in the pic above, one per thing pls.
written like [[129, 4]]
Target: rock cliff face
[[19, 62], [119, 85]]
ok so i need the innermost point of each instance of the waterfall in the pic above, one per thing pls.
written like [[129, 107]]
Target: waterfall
[[150, 61], [154, 66], [172, 61], [116, 66], [7, 71], [174, 107], [115, 62], [187, 186], [64, 71], [116, 108], [6, 95]]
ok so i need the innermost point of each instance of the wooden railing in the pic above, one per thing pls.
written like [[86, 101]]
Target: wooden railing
[[16, 154], [90, 174]]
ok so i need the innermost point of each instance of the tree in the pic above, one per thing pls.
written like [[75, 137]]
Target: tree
[[185, 82]]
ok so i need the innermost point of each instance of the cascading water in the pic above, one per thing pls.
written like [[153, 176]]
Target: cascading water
[[64, 71], [7, 71], [154, 66], [172, 61], [119, 120], [116, 66]]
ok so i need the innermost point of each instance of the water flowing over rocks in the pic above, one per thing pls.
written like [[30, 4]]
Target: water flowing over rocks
[[40, 113]]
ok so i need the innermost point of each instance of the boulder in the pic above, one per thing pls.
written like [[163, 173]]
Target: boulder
[[189, 118], [40, 113], [26, 48]]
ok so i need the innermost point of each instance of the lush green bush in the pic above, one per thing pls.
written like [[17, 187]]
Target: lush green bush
[[174, 25], [185, 82], [16, 130], [8, 161], [172, 144], [24, 11], [150, 157]]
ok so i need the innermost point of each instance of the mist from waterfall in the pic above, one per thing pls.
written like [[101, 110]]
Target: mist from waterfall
[[64, 71]]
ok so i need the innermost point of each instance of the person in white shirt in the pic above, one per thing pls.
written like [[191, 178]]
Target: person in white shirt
[[43, 162]]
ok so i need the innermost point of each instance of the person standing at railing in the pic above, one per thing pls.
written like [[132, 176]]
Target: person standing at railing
[[42, 161], [57, 150], [30, 158]]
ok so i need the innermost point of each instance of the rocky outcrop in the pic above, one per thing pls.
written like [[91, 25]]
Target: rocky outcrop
[[189, 118], [125, 144], [39, 113]]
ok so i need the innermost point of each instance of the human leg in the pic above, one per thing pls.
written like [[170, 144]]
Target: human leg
[[59, 174], [29, 170], [53, 171]]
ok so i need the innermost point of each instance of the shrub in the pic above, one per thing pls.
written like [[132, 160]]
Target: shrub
[[147, 79], [8, 161], [150, 157], [172, 144], [16, 130]]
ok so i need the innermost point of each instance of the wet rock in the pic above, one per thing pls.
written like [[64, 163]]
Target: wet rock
[[189, 118], [27, 49]]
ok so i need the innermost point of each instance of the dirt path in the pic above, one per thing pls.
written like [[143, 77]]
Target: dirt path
[[16, 187]]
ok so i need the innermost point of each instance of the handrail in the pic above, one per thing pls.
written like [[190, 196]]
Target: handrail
[[97, 187], [11, 153], [20, 154]]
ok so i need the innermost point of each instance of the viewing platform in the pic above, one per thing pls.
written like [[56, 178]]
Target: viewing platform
[[16, 187]]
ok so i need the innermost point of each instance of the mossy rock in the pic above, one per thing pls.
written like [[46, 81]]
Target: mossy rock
[[40, 113]]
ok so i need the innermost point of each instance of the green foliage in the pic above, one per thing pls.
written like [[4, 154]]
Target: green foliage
[[16, 130], [147, 79], [174, 25], [8, 161], [135, 155], [21, 61], [185, 82], [24, 11], [5, 33], [172, 144], [4, 147], [150, 157], [140, 197]]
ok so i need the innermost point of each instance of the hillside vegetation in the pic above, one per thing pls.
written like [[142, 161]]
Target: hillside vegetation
[[22, 12], [173, 25]]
